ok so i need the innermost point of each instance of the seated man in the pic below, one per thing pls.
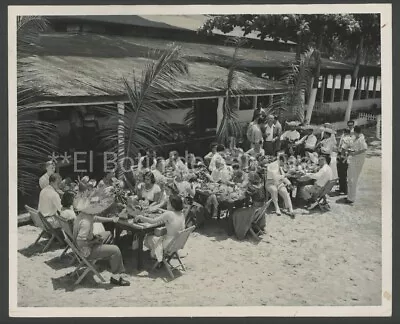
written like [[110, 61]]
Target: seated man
[[217, 156], [50, 200], [310, 192], [307, 143], [289, 137]]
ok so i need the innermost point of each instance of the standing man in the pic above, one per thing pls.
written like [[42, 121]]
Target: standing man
[[44, 179], [342, 165], [270, 136], [356, 161], [278, 132], [254, 131]]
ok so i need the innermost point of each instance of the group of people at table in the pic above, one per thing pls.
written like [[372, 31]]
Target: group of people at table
[[166, 186]]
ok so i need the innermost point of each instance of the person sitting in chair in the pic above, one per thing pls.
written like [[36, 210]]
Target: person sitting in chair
[[50, 200], [310, 192], [91, 245], [174, 221], [307, 143], [289, 137]]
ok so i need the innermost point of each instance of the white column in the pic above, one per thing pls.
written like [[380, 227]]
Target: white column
[[254, 102], [378, 127], [121, 137], [220, 111]]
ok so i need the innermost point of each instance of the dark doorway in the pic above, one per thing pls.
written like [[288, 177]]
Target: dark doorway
[[206, 115]]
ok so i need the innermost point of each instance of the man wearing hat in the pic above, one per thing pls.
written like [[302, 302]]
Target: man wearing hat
[[308, 142], [92, 245], [44, 179], [327, 145]]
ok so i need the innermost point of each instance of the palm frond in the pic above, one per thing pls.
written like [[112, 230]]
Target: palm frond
[[35, 139], [298, 79], [142, 120]]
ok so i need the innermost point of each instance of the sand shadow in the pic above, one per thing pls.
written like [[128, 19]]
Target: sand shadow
[[67, 283], [36, 249], [58, 262], [161, 273]]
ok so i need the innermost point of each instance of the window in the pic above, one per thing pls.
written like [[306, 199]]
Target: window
[[246, 103]]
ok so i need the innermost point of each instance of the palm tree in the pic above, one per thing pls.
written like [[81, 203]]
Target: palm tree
[[142, 121], [229, 124], [34, 136], [298, 80]]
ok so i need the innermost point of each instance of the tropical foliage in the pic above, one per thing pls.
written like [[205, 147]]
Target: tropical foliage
[[142, 119], [298, 79], [35, 138]]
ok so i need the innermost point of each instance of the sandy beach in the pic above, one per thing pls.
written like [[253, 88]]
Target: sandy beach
[[330, 259]]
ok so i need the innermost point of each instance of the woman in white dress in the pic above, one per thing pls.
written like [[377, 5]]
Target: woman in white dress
[[174, 221]]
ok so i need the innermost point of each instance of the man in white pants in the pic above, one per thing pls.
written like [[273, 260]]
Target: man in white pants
[[356, 161]]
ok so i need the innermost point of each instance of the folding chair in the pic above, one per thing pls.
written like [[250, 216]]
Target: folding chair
[[83, 263], [47, 230], [321, 201], [68, 232], [172, 249], [255, 226]]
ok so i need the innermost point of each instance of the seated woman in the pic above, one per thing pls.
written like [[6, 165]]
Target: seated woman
[[276, 184], [185, 188], [174, 221], [149, 190], [256, 151], [158, 172], [91, 245], [213, 151]]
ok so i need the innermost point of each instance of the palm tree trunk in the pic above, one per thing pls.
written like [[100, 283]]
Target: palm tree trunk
[[354, 79], [313, 93]]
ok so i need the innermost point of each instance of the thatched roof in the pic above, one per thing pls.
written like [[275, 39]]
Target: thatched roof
[[73, 78], [96, 45]]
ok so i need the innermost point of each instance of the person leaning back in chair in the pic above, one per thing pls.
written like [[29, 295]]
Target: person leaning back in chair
[[310, 192], [50, 200]]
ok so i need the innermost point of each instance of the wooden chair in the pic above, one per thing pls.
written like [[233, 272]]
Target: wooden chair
[[84, 263], [321, 201], [172, 249], [47, 230]]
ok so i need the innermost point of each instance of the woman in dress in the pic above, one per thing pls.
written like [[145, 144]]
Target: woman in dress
[[174, 221], [149, 190], [276, 184]]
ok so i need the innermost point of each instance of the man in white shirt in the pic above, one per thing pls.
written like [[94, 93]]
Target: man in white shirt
[[254, 131], [328, 144], [44, 179], [270, 136], [307, 143], [278, 132], [310, 192], [343, 149], [289, 137], [50, 200], [356, 161]]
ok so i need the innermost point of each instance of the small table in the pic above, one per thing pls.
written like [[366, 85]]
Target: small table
[[141, 229]]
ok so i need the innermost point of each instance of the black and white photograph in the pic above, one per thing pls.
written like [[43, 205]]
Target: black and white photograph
[[200, 160]]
